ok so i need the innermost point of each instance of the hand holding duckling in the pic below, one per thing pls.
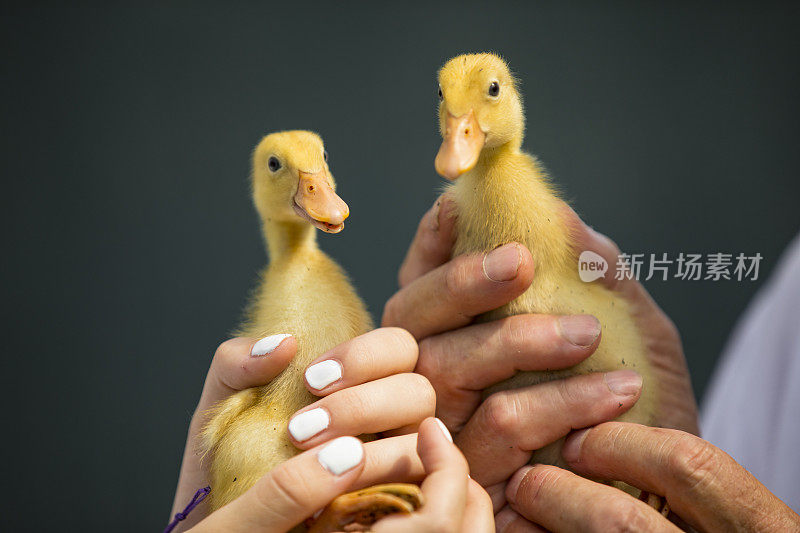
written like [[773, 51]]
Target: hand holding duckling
[[461, 358], [280, 499], [706, 489], [360, 381]]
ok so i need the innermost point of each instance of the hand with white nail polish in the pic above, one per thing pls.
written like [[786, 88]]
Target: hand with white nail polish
[[284, 497], [238, 364], [453, 502], [292, 491], [362, 382]]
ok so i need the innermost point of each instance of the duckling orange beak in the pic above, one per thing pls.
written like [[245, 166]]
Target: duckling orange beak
[[461, 147], [316, 202]]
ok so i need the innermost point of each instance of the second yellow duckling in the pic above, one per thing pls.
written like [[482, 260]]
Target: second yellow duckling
[[502, 195]]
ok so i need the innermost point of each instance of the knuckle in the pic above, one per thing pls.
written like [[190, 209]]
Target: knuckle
[[694, 462], [535, 484], [501, 413], [422, 389], [570, 391], [456, 278], [621, 514], [391, 310], [286, 485], [225, 351], [441, 523], [515, 332], [429, 363], [405, 341]]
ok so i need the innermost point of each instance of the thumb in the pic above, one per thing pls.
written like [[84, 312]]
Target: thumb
[[293, 491]]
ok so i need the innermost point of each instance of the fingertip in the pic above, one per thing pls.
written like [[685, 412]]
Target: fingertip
[[505, 518], [514, 482], [571, 451], [341, 455], [273, 345]]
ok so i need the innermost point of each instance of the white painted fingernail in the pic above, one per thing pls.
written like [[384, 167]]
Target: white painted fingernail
[[323, 374], [444, 430], [306, 425], [341, 455], [267, 344]]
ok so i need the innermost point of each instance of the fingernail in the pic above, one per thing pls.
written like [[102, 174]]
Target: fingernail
[[306, 425], [623, 382], [434, 221], [580, 330], [513, 483], [444, 429], [571, 450], [323, 374], [341, 455], [267, 344], [502, 264]]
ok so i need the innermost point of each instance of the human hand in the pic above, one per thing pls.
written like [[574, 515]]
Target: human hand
[[437, 301], [375, 370], [703, 486], [677, 407], [284, 497], [233, 368], [362, 382]]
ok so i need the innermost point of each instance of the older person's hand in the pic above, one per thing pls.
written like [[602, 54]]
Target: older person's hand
[[704, 486], [437, 301]]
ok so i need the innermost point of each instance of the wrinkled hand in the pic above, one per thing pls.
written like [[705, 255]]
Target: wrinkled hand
[[440, 296], [703, 485]]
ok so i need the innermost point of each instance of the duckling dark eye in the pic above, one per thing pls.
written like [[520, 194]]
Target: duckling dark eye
[[273, 164], [494, 88], [325, 155], [441, 96]]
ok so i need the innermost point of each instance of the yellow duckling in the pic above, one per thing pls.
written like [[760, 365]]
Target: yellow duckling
[[502, 195], [302, 292]]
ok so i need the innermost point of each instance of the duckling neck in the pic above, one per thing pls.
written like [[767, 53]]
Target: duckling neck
[[285, 238], [507, 197]]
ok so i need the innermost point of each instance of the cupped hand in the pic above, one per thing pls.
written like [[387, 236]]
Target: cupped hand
[[437, 301], [704, 486], [238, 364]]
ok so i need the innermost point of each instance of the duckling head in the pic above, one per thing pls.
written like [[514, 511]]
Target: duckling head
[[293, 184], [479, 108]]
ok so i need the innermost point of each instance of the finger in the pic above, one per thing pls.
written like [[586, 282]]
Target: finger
[[586, 238], [509, 521], [453, 294], [499, 438], [665, 351], [293, 490], [433, 242], [392, 459], [368, 408], [380, 353], [702, 484], [241, 363], [478, 513], [461, 363], [561, 501], [445, 487]]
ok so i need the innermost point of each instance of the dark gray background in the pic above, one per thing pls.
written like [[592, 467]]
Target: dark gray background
[[130, 241]]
